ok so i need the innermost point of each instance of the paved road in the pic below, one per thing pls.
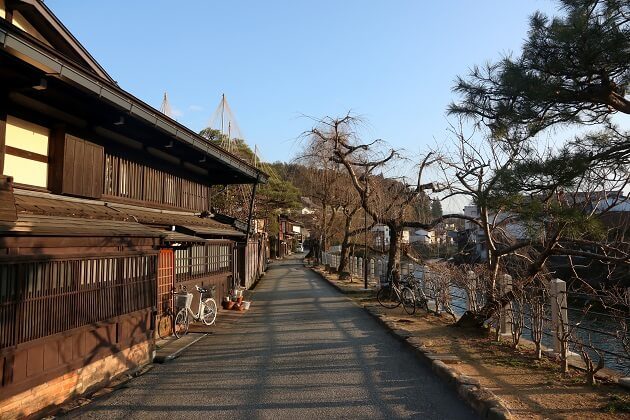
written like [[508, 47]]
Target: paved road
[[302, 351]]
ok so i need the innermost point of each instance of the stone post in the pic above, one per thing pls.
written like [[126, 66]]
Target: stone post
[[559, 315], [505, 286], [372, 268]]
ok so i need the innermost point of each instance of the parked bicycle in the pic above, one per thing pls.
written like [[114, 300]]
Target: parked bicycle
[[419, 297], [206, 312], [393, 293], [165, 325]]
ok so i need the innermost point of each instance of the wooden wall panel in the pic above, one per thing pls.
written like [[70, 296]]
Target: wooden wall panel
[[82, 169], [32, 364], [51, 355], [35, 360]]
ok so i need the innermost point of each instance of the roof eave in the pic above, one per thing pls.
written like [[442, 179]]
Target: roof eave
[[47, 61]]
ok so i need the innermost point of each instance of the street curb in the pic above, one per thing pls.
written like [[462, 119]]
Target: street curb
[[180, 349], [482, 400]]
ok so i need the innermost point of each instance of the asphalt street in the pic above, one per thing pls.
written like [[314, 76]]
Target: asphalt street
[[302, 351]]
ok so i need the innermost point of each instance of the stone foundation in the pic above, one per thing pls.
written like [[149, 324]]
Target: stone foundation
[[75, 383]]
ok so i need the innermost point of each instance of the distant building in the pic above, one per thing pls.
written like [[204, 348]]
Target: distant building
[[381, 236], [308, 207]]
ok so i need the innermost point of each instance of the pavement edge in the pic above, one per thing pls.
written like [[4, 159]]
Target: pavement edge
[[173, 354], [482, 400]]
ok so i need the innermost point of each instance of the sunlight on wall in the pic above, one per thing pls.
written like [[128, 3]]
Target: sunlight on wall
[[26, 171], [28, 137]]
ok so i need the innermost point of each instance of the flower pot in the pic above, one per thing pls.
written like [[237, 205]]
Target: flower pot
[[236, 307], [239, 299], [229, 305], [246, 304]]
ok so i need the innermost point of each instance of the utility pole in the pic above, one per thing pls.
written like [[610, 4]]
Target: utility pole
[[365, 253]]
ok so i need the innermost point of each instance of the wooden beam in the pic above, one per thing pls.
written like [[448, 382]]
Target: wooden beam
[[14, 151], [8, 10]]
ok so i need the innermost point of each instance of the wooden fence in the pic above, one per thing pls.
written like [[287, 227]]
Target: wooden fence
[[130, 180], [251, 261], [50, 295]]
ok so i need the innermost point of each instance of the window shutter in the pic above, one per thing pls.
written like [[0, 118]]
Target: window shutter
[[83, 168]]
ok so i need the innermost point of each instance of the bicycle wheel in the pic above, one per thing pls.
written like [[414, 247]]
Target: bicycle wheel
[[388, 297], [421, 299], [181, 323], [408, 300], [165, 325], [209, 311]]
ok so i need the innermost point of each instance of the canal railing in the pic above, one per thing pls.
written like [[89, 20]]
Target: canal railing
[[567, 314]]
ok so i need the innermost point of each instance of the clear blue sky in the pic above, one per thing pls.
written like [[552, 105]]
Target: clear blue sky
[[392, 62]]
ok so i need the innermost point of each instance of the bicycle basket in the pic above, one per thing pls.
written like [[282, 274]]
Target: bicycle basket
[[210, 293], [183, 299]]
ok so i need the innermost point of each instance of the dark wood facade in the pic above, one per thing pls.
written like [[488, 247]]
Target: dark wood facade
[[101, 205]]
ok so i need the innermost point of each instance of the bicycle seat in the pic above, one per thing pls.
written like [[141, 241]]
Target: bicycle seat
[[201, 289]]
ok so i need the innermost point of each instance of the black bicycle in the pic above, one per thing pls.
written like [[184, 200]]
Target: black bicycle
[[393, 293]]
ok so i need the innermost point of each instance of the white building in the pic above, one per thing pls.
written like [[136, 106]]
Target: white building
[[381, 236], [516, 229]]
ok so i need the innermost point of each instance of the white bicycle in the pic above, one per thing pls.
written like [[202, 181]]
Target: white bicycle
[[206, 312]]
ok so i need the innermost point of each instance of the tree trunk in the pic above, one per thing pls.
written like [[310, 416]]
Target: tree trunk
[[343, 258], [324, 243], [478, 318], [394, 247], [538, 351], [345, 243]]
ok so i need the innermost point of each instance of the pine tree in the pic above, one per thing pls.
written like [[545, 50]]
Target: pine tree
[[436, 208]]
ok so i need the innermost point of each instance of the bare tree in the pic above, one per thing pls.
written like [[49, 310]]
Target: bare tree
[[587, 358], [537, 296], [530, 209], [437, 283], [322, 185], [387, 201], [517, 317]]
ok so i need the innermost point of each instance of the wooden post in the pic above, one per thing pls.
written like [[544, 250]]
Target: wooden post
[[3, 130], [559, 315]]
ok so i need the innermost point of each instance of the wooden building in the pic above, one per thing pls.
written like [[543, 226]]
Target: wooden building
[[104, 209], [289, 235], [250, 254]]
